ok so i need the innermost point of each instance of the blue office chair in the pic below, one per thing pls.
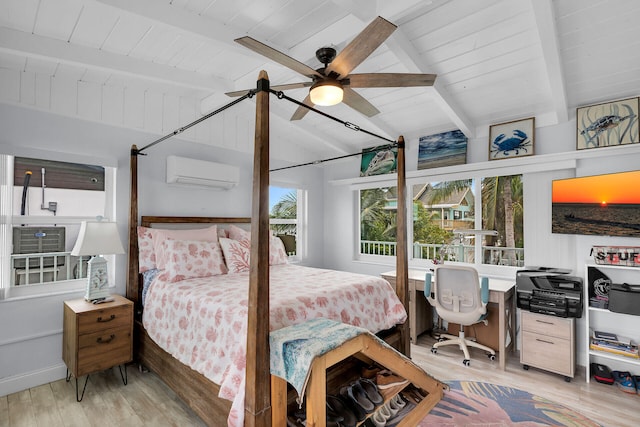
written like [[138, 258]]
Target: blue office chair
[[459, 297]]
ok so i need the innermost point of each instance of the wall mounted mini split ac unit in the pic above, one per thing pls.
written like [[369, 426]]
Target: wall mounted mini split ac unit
[[181, 170]]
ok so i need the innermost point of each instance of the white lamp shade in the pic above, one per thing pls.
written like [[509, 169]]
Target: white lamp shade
[[326, 93], [98, 238]]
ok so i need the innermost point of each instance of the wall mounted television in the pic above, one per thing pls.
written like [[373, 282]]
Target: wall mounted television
[[603, 205]]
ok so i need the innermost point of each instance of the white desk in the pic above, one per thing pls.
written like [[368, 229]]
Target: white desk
[[501, 292]]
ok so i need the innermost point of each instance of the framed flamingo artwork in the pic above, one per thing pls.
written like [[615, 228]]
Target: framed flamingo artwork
[[608, 124], [512, 139]]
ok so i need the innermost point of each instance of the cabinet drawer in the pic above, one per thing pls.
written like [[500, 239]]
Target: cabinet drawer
[[99, 320], [546, 352], [546, 325], [101, 350]]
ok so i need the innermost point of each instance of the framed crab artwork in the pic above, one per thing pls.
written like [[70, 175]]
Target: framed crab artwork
[[512, 139], [608, 124]]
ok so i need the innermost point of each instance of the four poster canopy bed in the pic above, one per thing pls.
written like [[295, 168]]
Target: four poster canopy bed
[[207, 299]]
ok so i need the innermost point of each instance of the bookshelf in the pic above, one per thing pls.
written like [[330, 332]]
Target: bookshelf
[[600, 319]]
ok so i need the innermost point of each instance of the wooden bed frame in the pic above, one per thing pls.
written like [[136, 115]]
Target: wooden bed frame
[[198, 392]]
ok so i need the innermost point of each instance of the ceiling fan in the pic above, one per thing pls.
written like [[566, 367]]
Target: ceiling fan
[[333, 83]]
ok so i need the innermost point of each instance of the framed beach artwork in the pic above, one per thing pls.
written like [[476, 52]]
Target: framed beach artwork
[[379, 160], [608, 124], [442, 149], [512, 139]]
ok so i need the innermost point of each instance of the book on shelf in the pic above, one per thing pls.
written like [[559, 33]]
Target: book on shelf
[[611, 347], [608, 336]]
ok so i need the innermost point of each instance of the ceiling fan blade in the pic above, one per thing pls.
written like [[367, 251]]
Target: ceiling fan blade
[[277, 56], [288, 86], [276, 87], [358, 103], [390, 80], [361, 46], [236, 93], [301, 111]]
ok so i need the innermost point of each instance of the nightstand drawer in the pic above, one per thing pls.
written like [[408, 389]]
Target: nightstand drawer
[[101, 319], [105, 339], [99, 351], [546, 325]]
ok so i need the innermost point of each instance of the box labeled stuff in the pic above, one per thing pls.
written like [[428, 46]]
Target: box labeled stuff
[[624, 298], [617, 255]]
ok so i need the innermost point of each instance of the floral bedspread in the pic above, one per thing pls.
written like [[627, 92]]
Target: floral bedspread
[[202, 322]]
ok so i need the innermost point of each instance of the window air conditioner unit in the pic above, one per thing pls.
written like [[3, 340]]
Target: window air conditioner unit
[[181, 170]]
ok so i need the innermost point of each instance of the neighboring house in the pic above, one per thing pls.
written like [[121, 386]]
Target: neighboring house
[[454, 211]]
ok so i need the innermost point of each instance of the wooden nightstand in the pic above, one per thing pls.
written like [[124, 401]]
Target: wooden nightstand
[[97, 337]]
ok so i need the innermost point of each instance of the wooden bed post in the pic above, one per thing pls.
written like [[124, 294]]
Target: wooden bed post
[[257, 399], [402, 273], [132, 278]]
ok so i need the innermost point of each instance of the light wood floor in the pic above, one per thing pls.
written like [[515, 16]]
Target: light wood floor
[[146, 401]]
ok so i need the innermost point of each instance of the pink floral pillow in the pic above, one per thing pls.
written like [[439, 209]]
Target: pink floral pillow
[[239, 234], [209, 234], [277, 253], [150, 243], [236, 255], [186, 259], [146, 254]]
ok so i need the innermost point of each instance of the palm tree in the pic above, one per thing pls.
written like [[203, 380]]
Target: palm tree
[[501, 205], [286, 208], [373, 217]]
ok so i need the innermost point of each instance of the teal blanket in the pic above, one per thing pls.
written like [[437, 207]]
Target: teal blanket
[[293, 348]]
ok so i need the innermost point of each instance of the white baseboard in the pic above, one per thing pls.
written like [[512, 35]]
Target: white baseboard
[[22, 382]]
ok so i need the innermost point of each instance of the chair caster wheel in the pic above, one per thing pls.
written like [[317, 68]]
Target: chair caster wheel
[[491, 357], [525, 367], [466, 362], [434, 350], [441, 339], [567, 379]]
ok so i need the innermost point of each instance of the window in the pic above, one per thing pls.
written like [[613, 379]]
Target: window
[[44, 202], [287, 210], [378, 210], [477, 221], [503, 207], [446, 208]]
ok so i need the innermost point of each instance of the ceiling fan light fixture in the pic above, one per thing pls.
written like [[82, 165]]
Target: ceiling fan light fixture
[[326, 93]]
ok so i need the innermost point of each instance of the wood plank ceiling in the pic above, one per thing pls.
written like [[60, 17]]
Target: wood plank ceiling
[[496, 61]]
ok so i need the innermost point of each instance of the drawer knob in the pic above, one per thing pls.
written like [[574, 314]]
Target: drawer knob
[[108, 340], [101, 320]]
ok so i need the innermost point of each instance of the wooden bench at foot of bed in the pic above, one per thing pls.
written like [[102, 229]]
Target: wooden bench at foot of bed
[[364, 347]]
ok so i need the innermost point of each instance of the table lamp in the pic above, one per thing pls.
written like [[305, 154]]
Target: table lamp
[[97, 238]]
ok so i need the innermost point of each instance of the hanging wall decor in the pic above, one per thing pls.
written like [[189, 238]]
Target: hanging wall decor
[[378, 160], [511, 139], [442, 149], [608, 124]]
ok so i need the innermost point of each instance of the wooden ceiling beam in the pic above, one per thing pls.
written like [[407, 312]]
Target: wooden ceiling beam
[[548, 33], [58, 51], [407, 54]]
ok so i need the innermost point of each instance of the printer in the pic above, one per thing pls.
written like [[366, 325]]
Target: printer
[[549, 291]]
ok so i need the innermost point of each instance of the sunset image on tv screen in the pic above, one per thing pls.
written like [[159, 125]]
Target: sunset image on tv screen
[[606, 205]]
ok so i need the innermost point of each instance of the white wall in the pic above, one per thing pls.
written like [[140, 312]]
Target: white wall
[[542, 248], [31, 335]]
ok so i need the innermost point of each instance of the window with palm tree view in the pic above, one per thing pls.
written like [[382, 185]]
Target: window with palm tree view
[[284, 214], [447, 217]]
